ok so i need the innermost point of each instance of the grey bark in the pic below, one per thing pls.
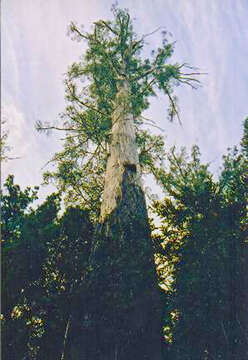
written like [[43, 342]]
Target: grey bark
[[126, 312], [65, 337], [123, 153]]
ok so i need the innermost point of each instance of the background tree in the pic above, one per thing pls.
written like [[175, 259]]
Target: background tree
[[64, 286], [204, 238], [45, 261], [15, 204], [20, 263], [202, 266]]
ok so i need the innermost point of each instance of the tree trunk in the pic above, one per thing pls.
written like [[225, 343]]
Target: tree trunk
[[123, 155], [126, 313]]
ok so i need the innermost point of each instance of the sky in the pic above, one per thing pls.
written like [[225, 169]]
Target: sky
[[36, 53]]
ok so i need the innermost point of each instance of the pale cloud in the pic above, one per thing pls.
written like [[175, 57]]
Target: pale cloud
[[26, 154], [22, 146], [17, 127], [212, 35]]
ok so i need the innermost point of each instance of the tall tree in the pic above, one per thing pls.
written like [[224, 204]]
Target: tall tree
[[113, 58], [104, 122]]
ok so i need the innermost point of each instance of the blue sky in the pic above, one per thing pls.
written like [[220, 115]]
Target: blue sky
[[210, 34]]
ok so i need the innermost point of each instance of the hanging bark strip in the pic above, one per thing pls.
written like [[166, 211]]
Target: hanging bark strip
[[123, 153], [126, 302]]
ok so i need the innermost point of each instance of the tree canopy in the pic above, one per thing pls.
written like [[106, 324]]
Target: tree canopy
[[114, 54], [204, 255]]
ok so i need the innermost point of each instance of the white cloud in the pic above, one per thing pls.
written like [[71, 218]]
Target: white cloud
[[210, 34], [17, 128]]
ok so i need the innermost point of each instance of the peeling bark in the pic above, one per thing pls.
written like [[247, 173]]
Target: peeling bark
[[126, 313], [122, 303], [126, 304], [123, 153]]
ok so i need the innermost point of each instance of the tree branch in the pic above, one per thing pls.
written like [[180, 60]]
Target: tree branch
[[108, 26], [81, 102], [173, 106], [188, 83], [79, 32], [65, 337], [148, 85], [148, 72], [45, 128], [153, 32]]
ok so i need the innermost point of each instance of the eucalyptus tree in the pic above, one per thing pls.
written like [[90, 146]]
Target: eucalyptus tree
[[106, 150], [112, 62]]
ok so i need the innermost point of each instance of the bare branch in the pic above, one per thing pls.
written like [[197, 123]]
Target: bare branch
[[135, 44], [178, 164], [173, 106], [89, 106], [6, 158], [153, 32], [189, 79], [145, 118], [157, 127], [148, 72], [79, 33], [194, 73], [128, 20], [148, 85], [188, 83], [109, 27], [45, 128]]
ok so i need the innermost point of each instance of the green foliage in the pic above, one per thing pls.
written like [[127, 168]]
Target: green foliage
[[24, 248], [63, 281], [113, 56], [15, 207], [45, 260], [202, 265], [244, 141], [204, 249]]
